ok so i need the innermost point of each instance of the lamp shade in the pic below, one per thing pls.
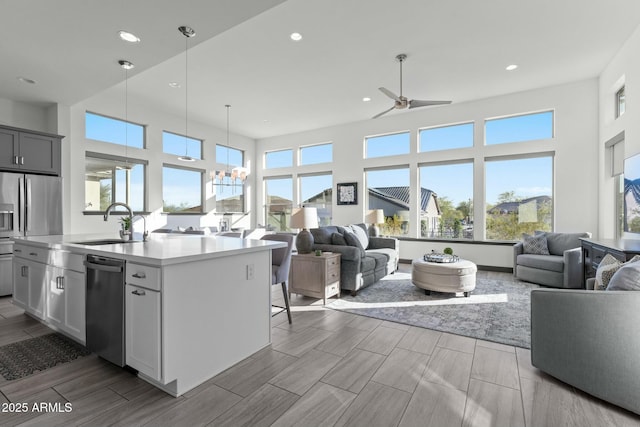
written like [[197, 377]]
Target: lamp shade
[[304, 218], [375, 216]]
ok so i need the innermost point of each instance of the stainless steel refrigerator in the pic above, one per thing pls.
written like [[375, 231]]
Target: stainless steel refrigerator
[[30, 205]]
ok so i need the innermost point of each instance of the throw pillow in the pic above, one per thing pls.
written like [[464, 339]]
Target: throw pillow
[[607, 268], [535, 245], [338, 239], [361, 235], [627, 278], [352, 240]]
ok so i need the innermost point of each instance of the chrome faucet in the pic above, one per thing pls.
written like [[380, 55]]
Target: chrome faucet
[[145, 233], [124, 205]]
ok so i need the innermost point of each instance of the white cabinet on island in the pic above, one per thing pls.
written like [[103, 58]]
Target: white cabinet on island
[[194, 305]]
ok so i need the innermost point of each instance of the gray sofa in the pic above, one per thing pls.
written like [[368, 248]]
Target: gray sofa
[[590, 340], [562, 268], [363, 261]]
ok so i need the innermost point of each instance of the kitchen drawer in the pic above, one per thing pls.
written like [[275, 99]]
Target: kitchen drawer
[[68, 260], [143, 275], [31, 252]]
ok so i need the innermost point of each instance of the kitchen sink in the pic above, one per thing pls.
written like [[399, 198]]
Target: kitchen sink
[[105, 242]]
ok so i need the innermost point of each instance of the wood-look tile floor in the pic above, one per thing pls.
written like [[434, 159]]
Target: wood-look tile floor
[[327, 369]]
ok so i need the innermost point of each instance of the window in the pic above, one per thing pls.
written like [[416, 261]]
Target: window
[[181, 145], [279, 201], [446, 210], [388, 189], [181, 190], [519, 197], [313, 154], [315, 191], [278, 159], [229, 193], [446, 137], [620, 102], [109, 179], [521, 128], [387, 145], [106, 129]]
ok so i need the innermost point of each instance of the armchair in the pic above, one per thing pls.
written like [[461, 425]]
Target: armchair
[[590, 340], [562, 268]]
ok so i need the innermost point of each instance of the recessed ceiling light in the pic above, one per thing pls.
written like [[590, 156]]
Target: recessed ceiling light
[[266, 120], [296, 37], [128, 37], [174, 85], [366, 99], [126, 64], [511, 67], [26, 80]]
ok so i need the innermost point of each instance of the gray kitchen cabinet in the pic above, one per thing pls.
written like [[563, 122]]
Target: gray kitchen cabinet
[[29, 151]]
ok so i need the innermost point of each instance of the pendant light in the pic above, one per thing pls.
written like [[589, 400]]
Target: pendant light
[[126, 66], [236, 173], [187, 32]]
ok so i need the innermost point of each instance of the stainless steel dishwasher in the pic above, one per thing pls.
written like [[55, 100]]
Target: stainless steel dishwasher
[[105, 308]]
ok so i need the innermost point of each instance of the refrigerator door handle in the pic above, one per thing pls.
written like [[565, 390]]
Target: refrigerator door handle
[[27, 206], [20, 203]]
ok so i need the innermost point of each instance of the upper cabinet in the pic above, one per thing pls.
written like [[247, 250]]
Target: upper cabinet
[[28, 151]]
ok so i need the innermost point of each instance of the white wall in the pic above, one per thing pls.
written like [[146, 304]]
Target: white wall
[[24, 115], [623, 69], [574, 145]]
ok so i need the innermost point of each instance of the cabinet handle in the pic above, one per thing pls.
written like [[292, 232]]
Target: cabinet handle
[[22, 160], [15, 160], [33, 253], [24, 271], [18, 251], [139, 275], [139, 292], [60, 282]]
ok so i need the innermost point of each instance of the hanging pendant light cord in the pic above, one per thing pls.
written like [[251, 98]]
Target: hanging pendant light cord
[[186, 95], [228, 107]]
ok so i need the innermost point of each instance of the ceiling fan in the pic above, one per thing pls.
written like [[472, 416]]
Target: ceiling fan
[[402, 102]]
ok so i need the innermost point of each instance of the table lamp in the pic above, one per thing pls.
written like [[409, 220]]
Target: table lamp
[[375, 217], [304, 218]]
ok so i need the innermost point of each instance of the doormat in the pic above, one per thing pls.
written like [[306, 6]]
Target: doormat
[[23, 358]]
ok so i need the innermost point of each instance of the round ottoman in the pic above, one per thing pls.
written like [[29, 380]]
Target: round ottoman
[[457, 276]]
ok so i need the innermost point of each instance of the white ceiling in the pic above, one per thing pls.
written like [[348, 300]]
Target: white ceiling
[[242, 54]]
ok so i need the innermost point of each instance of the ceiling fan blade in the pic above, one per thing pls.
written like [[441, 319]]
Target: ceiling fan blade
[[418, 103], [383, 113], [389, 94]]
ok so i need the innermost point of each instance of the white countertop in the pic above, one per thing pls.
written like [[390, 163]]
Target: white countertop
[[159, 249]]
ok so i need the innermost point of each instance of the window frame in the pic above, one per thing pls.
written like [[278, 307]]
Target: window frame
[[127, 144], [266, 195], [179, 135], [383, 135], [302, 148], [267, 153], [450, 125], [514, 116], [202, 189], [329, 202], [367, 186], [114, 158], [620, 96]]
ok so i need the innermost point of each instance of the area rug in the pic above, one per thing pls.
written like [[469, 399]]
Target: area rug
[[497, 310], [23, 358]]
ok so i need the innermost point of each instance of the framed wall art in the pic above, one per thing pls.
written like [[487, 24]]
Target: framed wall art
[[348, 193]]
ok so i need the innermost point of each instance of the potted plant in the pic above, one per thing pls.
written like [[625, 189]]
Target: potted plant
[[448, 251], [125, 224]]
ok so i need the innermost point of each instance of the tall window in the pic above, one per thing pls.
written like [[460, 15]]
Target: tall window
[[521, 128], [388, 189], [107, 129], [446, 137], [279, 201], [181, 190], [180, 145], [278, 159], [109, 179], [620, 102], [315, 191], [446, 210], [313, 154], [229, 193], [519, 197], [387, 145]]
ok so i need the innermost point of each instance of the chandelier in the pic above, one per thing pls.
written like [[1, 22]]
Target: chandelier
[[227, 177]]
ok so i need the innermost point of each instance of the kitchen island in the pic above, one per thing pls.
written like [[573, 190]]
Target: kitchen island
[[195, 305]]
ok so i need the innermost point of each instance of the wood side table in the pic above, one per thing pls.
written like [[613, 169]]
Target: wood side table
[[315, 276]]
